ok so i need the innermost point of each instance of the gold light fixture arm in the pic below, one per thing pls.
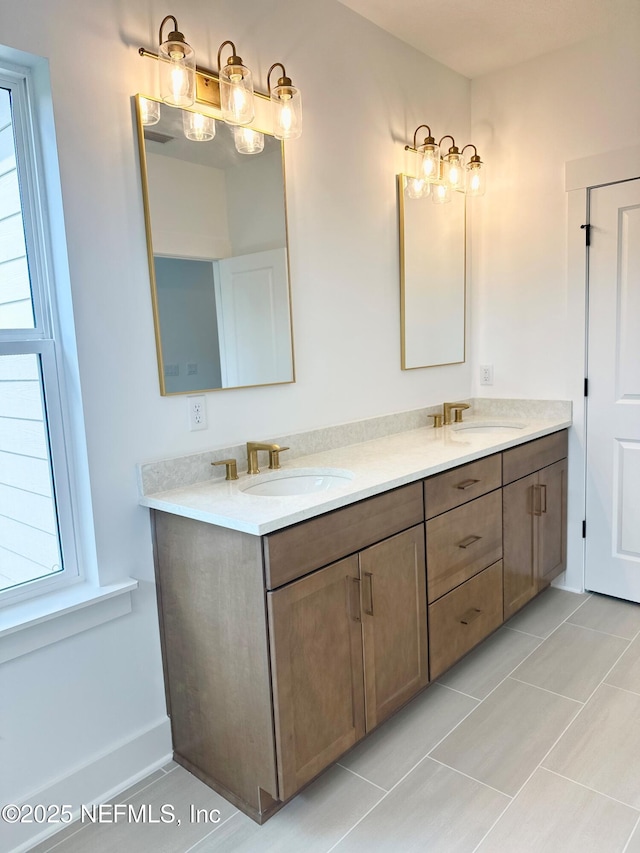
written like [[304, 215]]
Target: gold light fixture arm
[[415, 138], [282, 81], [234, 59], [162, 25]]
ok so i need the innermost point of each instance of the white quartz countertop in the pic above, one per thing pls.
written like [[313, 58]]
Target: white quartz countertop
[[377, 465]]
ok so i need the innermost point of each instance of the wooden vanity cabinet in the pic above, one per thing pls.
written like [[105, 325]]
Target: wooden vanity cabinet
[[534, 518], [348, 647], [280, 652]]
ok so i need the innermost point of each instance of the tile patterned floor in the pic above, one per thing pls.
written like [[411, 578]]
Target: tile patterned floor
[[529, 744]]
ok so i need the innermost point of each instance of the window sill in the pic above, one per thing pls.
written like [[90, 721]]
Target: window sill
[[30, 625]]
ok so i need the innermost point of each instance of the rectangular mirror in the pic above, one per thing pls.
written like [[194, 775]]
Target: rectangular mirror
[[218, 255], [432, 279]]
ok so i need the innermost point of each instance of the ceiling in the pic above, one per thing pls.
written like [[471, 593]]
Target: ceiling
[[478, 37]]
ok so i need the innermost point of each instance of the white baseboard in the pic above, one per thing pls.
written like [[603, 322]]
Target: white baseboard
[[95, 782]]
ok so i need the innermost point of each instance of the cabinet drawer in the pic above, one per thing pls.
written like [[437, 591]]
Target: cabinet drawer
[[453, 488], [463, 542], [463, 618], [530, 457], [298, 550]]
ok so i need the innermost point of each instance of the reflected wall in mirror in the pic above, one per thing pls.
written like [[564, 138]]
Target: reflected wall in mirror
[[218, 259], [432, 279]]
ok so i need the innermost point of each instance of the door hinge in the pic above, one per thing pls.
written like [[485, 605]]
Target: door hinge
[[584, 529], [587, 233], [586, 387]]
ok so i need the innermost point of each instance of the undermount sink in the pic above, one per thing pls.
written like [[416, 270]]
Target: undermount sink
[[299, 481], [488, 427]]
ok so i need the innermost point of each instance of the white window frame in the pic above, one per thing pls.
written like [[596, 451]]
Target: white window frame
[[43, 339]]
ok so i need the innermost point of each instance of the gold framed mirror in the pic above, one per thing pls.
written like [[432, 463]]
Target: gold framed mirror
[[432, 279], [217, 243]]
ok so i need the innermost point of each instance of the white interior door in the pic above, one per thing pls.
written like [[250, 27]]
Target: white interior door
[[252, 300], [613, 415]]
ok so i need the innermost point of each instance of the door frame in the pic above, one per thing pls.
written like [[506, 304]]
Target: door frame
[[581, 176]]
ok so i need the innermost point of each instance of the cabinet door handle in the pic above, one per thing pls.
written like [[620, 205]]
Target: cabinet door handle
[[465, 484], [543, 494], [469, 541], [369, 610], [470, 616], [536, 500], [353, 597]]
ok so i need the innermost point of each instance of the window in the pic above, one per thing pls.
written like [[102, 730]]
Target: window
[[37, 543]]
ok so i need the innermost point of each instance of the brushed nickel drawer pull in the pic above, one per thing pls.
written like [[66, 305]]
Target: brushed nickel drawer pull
[[466, 484], [369, 610], [469, 541], [470, 616], [353, 591]]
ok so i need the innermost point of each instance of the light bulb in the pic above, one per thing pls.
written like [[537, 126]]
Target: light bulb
[[416, 188], [236, 93], [198, 127], [475, 177], [248, 141], [441, 194], [177, 83], [177, 68], [149, 111]]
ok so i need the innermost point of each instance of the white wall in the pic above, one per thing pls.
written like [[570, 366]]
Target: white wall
[[88, 694], [527, 305]]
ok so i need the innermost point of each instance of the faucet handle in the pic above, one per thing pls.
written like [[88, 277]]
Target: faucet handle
[[274, 456], [458, 409], [437, 420], [232, 468]]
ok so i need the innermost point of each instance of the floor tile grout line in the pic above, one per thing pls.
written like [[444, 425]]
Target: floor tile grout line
[[209, 834], [598, 631], [633, 832], [364, 778], [551, 748], [459, 692], [615, 687], [526, 633], [473, 778], [546, 690], [589, 788]]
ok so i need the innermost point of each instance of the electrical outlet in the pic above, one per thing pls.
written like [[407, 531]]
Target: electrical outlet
[[486, 374], [197, 412]]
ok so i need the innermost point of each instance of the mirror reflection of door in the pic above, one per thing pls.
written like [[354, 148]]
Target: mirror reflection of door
[[216, 222]]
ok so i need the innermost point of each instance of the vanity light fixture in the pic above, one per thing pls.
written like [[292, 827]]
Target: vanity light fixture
[[443, 173], [286, 106], [149, 111], [230, 90], [236, 89], [198, 127], [177, 67], [247, 140]]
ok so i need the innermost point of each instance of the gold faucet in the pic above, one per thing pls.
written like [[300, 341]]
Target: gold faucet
[[454, 407], [252, 455]]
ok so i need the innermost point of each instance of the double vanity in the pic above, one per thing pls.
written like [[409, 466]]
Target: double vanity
[[302, 607]]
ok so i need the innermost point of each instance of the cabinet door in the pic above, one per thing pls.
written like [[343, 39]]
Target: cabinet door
[[552, 522], [394, 622], [520, 543], [316, 659]]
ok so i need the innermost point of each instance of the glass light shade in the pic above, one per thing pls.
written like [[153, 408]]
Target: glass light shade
[[198, 127], [236, 94], [416, 187], [248, 141], [177, 64], [286, 108], [149, 111], [475, 183], [429, 162], [441, 193], [454, 171]]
